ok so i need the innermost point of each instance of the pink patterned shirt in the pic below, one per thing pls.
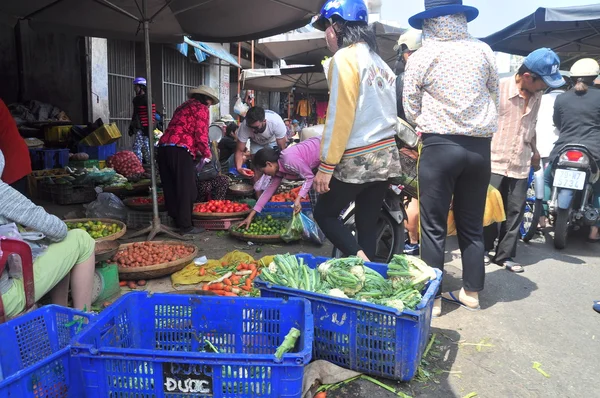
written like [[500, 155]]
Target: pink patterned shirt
[[297, 162], [511, 145], [451, 83]]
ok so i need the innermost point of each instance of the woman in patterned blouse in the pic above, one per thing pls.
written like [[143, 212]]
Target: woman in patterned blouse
[[184, 144]]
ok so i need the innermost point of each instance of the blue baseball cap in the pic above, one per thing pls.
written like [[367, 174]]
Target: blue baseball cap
[[545, 63]]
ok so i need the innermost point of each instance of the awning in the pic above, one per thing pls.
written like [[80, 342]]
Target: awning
[[212, 21], [572, 32], [213, 49], [311, 48], [303, 79]]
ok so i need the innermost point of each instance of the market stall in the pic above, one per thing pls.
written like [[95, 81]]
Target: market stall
[[221, 346], [170, 22], [306, 87]]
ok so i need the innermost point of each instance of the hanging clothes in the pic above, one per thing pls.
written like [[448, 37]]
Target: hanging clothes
[[321, 109], [303, 109]]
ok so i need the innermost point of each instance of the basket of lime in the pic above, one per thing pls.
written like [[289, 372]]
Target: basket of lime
[[100, 229]]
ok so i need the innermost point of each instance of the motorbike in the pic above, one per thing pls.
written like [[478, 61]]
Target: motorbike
[[570, 205]]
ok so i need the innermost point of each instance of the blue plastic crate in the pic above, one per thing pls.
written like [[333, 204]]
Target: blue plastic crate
[[284, 207], [43, 159], [152, 345], [34, 355], [361, 336], [101, 152]]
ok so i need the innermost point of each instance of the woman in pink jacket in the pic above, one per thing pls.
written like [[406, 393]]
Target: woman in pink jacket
[[298, 162]]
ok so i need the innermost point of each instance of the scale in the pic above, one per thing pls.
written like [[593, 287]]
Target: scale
[[106, 282]]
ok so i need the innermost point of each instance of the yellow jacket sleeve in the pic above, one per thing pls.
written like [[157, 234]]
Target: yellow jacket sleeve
[[344, 88]]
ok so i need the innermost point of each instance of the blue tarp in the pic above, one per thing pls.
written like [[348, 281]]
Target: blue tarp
[[573, 32], [204, 50]]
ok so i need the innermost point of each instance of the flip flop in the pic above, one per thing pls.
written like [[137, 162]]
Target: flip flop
[[593, 240], [452, 298], [511, 266], [596, 306]]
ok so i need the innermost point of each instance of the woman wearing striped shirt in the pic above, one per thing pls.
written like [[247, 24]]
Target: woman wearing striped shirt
[[358, 150]]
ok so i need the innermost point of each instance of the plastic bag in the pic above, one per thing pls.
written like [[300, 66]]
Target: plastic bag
[[310, 230], [294, 229], [107, 205], [240, 108]]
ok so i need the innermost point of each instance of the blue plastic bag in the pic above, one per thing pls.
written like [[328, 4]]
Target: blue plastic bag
[[311, 230]]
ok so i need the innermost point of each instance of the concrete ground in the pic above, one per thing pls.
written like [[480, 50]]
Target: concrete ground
[[543, 316]]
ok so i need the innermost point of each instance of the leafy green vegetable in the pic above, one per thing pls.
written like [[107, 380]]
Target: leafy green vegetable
[[288, 343], [409, 272], [347, 274], [349, 278]]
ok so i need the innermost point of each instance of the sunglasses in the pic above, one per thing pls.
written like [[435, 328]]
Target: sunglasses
[[257, 128]]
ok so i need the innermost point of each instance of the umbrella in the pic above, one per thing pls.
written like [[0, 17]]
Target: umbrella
[[310, 47], [171, 20], [215, 21], [572, 32], [303, 79]]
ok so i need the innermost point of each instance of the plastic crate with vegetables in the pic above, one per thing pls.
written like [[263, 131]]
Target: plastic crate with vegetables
[[372, 318]]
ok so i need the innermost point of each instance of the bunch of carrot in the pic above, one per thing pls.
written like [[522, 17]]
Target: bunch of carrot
[[239, 281]]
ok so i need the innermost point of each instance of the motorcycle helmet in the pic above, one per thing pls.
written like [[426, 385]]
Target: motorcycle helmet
[[585, 67], [348, 10], [412, 39], [139, 81]]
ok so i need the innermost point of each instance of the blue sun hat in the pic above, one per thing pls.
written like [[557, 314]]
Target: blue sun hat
[[439, 8]]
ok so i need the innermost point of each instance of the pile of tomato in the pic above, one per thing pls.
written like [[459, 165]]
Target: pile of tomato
[[143, 254], [147, 200], [220, 206]]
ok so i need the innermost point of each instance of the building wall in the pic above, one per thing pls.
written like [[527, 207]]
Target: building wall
[[156, 54], [99, 79], [53, 71], [9, 89]]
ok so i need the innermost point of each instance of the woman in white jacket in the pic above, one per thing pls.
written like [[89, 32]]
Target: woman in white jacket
[[358, 150]]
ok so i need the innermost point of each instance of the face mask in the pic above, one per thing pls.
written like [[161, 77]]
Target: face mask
[[331, 39]]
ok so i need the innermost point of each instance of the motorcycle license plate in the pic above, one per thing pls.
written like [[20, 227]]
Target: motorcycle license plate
[[569, 179]]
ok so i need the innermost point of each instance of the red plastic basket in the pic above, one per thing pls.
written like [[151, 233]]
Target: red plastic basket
[[217, 225]]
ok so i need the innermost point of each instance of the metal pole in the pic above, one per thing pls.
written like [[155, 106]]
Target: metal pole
[[155, 219], [253, 93], [239, 71]]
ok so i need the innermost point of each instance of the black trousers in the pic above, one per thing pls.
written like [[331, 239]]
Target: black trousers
[[178, 177], [514, 194], [460, 166], [368, 199]]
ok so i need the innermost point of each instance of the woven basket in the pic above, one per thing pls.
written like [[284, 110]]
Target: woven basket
[[105, 250], [158, 270], [213, 216], [255, 238], [106, 221]]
